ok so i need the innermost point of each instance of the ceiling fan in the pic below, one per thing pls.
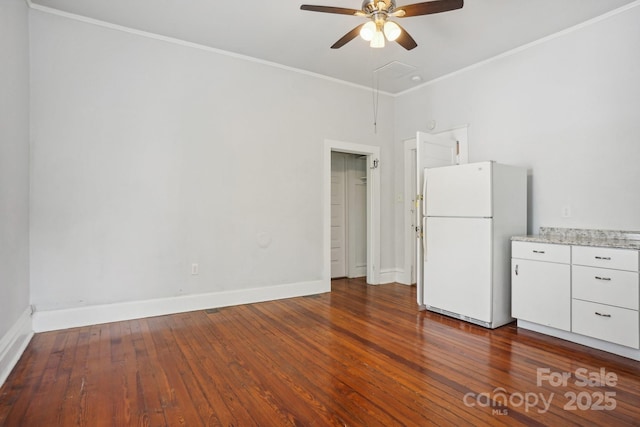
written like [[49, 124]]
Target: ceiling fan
[[379, 26]]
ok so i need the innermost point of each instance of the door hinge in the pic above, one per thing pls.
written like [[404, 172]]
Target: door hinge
[[419, 234], [376, 163]]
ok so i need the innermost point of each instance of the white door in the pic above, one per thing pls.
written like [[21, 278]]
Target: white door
[[356, 215], [412, 214], [338, 216], [459, 191], [457, 268], [445, 148]]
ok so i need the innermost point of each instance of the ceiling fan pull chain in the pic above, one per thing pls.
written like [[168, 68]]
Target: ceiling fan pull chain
[[376, 96]]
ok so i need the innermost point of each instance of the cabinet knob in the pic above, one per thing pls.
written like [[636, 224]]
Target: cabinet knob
[[516, 269]]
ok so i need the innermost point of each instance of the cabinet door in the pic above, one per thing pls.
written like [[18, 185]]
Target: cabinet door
[[541, 293]]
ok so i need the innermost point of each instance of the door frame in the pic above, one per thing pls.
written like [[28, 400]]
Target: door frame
[[459, 133], [409, 195], [373, 206]]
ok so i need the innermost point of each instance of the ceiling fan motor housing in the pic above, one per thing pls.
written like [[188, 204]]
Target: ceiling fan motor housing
[[377, 6]]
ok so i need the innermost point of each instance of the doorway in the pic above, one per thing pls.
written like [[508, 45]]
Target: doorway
[[426, 150], [410, 216], [371, 157], [348, 215]]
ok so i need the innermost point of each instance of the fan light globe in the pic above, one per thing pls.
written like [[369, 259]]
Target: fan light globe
[[391, 30], [377, 40], [368, 30]]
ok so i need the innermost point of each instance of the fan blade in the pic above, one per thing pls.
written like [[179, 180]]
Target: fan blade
[[405, 40], [347, 37], [329, 9], [427, 8]]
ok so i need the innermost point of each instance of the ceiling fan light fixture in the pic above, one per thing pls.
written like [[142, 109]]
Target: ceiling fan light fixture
[[391, 30], [378, 40], [368, 30], [378, 11]]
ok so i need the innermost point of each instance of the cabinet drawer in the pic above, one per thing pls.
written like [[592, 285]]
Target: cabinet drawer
[[541, 252], [602, 285], [620, 259], [613, 324]]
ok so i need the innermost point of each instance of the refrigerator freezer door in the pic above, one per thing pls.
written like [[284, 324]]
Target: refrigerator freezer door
[[457, 267], [459, 191]]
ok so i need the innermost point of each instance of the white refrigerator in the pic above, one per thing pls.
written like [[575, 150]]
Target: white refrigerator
[[470, 212]]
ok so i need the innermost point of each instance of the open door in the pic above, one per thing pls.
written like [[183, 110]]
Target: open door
[[372, 154], [433, 150]]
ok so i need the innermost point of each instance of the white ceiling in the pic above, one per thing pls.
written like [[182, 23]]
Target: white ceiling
[[278, 31]]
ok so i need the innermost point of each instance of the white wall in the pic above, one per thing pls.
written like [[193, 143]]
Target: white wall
[[149, 156], [568, 109], [14, 181]]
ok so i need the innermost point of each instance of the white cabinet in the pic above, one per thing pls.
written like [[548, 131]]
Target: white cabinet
[[605, 294], [587, 291], [541, 284]]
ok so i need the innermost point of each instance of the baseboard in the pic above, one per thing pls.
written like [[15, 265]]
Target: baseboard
[[13, 344], [97, 314], [403, 276], [391, 275], [620, 350]]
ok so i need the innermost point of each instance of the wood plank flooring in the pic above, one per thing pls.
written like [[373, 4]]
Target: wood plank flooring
[[358, 356]]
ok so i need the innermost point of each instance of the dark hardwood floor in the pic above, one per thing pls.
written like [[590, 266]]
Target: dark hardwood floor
[[358, 356]]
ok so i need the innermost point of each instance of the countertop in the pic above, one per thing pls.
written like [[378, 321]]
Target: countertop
[[583, 237]]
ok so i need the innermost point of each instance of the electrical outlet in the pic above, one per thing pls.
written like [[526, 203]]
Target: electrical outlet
[[194, 269], [566, 211]]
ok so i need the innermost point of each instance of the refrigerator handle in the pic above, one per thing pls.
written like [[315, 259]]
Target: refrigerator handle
[[424, 237], [424, 193]]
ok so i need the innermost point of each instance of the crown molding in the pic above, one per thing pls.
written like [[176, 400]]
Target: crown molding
[[180, 42]]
